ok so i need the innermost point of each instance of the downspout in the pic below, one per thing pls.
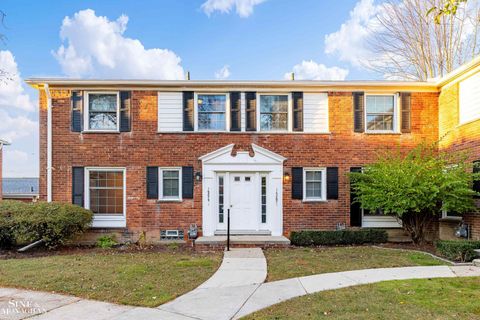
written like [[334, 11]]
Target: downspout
[[49, 143]]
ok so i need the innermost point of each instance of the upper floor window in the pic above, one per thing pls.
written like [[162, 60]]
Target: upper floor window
[[102, 111], [380, 112], [211, 110], [274, 112]]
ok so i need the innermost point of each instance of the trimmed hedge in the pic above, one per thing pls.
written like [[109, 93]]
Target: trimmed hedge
[[458, 250], [341, 237], [54, 223]]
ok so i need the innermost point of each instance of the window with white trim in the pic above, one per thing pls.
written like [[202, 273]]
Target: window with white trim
[[170, 183], [105, 191], [274, 112], [451, 215], [211, 112], [380, 112], [102, 111], [314, 184]]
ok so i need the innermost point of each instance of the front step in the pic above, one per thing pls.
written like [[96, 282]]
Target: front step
[[239, 241], [243, 233]]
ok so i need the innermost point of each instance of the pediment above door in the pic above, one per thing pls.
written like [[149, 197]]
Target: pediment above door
[[224, 156]]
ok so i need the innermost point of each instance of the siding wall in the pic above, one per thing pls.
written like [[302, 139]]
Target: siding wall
[[170, 116], [315, 112]]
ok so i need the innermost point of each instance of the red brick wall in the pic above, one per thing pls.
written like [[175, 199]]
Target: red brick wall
[[458, 138], [145, 147]]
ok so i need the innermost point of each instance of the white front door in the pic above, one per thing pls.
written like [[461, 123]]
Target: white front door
[[244, 207]]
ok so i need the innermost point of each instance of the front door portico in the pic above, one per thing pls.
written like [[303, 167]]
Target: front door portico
[[249, 187]]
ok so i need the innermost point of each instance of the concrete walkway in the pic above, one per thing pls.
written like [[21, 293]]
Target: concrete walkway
[[235, 290]]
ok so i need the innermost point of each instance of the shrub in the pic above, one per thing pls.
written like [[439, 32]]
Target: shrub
[[458, 250], [106, 242], [342, 237], [54, 223], [7, 225]]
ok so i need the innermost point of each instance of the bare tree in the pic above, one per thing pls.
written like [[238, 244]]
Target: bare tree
[[4, 75], [407, 44]]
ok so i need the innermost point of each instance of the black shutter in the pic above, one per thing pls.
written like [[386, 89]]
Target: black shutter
[[78, 182], [406, 122], [77, 111], [125, 111], [355, 208], [235, 111], [358, 112], [297, 111], [476, 184], [332, 183], [188, 111], [152, 182], [187, 182], [251, 110], [297, 183]]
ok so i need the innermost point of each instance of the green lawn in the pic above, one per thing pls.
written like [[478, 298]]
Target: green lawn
[[143, 279], [457, 298], [296, 262]]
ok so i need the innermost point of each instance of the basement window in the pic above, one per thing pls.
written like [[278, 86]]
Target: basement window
[[171, 234]]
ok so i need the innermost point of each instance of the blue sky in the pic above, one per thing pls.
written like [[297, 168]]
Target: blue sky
[[223, 39]]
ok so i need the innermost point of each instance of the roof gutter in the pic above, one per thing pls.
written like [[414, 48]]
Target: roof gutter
[[3, 143], [49, 142]]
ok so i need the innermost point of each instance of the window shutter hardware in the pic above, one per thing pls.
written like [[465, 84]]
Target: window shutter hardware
[[77, 111], [152, 182], [125, 111], [297, 183], [358, 112]]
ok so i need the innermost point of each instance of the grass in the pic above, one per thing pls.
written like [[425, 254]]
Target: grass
[[438, 299], [142, 279], [296, 262]]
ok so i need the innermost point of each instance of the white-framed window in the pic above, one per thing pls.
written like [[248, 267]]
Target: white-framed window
[[381, 112], [105, 195], [451, 215], [102, 111], [170, 184], [274, 112], [212, 111], [314, 184]]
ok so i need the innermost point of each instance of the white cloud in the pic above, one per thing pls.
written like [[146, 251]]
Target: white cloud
[[349, 42], [12, 92], [94, 46], [15, 127], [310, 70], [244, 8], [223, 73]]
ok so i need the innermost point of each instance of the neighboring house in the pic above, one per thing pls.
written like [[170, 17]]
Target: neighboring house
[[21, 189], [158, 156], [2, 143]]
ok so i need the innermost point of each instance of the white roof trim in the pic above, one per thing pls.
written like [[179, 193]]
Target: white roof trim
[[4, 142], [256, 149], [248, 83]]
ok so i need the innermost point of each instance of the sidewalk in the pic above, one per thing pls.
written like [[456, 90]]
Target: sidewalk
[[235, 290]]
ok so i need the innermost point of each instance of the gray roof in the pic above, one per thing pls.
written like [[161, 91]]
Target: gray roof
[[20, 186]]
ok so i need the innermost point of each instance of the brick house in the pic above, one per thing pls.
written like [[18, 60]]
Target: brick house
[[158, 156], [2, 143]]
